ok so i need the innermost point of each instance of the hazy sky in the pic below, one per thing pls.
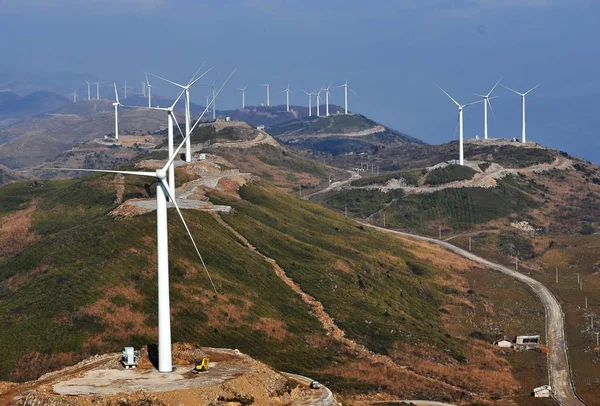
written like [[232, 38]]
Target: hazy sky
[[390, 51]]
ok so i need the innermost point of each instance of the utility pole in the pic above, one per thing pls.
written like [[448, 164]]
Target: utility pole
[[384, 225], [516, 263], [440, 233], [557, 275], [346, 210], [597, 339], [469, 243]]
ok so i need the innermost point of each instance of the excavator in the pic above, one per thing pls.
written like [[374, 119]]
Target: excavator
[[201, 366]]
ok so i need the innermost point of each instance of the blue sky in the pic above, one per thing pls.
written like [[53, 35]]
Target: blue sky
[[390, 51]]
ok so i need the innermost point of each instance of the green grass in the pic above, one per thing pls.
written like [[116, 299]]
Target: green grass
[[411, 178]]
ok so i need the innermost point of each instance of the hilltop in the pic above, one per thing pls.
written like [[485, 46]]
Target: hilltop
[[300, 287]]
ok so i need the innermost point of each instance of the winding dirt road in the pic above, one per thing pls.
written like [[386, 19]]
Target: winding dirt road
[[558, 361]]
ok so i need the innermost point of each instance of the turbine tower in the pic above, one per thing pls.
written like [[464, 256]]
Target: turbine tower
[[523, 129], [287, 92], [143, 89], [116, 104], [98, 90], [89, 90], [486, 104], [75, 96], [327, 100], [318, 94], [165, 361], [125, 90], [243, 90], [460, 124], [347, 87], [149, 86], [268, 87], [188, 115], [214, 102], [309, 102]]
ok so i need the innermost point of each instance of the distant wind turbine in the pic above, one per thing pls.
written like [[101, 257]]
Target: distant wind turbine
[[98, 90], [116, 104], [460, 124], [214, 101], [75, 96], [89, 90], [143, 89], [327, 99], [523, 129], [188, 114], [486, 104], [309, 102], [346, 86], [149, 86], [318, 94], [268, 87], [287, 92], [243, 90], [125, 90]]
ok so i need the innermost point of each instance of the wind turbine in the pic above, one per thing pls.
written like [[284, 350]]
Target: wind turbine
[[165, 361], [116, 104], [287, 92], [346, 86], [243, 90], [149, 86], [143, 89], [98, 90], [486, 104], [327, 100], [268, 87], [188, 115], [89, 90], [318, 94], [75, 96], [523, 130], [214, 102], [309, 102], [460, 123], [125, 90]]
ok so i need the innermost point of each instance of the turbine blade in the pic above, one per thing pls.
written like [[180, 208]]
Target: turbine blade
[[147, 81], [532, 89], [167, 80], [116, 94], [174, 201], [150, 174], [480, 95], [495, 86], [470, 104], [451, 98], [198, 71], [178, 98], [172, 158], [489, 103], [193, 82], [512, 90], [176, 123]]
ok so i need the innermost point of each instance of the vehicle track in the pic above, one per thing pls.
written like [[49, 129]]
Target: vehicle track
[[558, 362]]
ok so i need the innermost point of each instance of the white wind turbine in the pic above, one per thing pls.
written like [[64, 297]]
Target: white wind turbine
[[214, 102], [318, 94], [89, 90], [143, 89], [116, 104], [149, 86], [346, 86], [98, 90], [287, 92], [165, 361], [75, 96], [327, 99], [309, 102], [486, 104], [243, 90], [125, 90], [460, 124], [523, 129], [188, 114], [268, 87]]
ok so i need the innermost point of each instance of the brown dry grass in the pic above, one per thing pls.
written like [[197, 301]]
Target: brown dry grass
[[15, 231]]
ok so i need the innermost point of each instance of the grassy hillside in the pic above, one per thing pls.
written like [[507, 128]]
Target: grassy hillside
[[78, 281]]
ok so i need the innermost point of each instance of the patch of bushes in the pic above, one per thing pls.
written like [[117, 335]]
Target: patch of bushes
[[450, 173], [512, 244], [587, 229]]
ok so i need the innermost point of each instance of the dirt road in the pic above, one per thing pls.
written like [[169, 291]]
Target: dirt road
[[558, 361], [353, 176]]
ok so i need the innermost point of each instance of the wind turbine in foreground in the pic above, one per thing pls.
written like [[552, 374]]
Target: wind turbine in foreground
[[460, 124], [486, 104], [346, 86], [243, 90], [268, 87], [188, 115], [523, 129], [165, 361]]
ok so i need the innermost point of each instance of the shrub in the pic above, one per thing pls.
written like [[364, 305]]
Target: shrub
[[450, 173]]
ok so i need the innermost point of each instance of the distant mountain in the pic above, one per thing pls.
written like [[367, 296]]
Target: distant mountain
[[8, 96], [33, 104], [272, 115], [339, 134], [158, 100]]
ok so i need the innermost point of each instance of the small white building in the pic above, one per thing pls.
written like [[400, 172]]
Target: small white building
[[543, 391], [504, 343]]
